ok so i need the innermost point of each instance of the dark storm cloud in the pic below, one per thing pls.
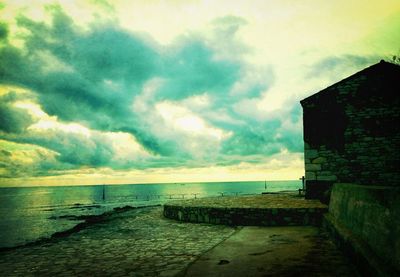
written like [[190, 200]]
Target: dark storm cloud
[[192, 71], [28, 163], [3, 31], [96, 74], [70, 151], [12, 119], [291, 138], [254, 139], [73, 149], [93, 76]]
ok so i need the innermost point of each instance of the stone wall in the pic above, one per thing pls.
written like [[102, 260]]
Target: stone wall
[[352, 130], [366, 222], [246, 216]]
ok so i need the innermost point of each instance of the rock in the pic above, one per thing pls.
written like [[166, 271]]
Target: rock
[[310, 154], [313, 167], [319, 160], [222, 262], [310, 176]]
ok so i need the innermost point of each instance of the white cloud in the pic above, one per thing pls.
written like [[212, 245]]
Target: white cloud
[[194, 134]]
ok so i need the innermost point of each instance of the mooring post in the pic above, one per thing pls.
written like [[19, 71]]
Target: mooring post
[[303, 184]]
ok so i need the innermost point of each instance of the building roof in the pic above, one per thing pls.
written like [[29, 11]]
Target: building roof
[[378, 68]]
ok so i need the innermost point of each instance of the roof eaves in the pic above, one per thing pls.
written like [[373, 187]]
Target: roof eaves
[[363, 71]]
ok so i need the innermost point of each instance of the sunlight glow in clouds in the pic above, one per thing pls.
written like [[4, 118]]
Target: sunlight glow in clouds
[[172, 91], [183, 120]]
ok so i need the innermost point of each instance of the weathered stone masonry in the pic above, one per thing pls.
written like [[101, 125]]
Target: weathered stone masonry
[[352, 131], [352, 158], [246, 216], [256, 210]]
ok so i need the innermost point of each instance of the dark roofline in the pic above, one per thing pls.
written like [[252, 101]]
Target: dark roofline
[[325, 90]]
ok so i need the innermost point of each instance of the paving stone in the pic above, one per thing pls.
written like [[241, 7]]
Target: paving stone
[[104, 249]]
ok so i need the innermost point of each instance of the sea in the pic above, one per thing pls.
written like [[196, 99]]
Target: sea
[[28, 214]]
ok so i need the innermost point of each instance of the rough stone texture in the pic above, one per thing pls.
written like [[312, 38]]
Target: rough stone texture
[[352, 135], [352, 129], [134, 243], [367, 219], [260, 210]]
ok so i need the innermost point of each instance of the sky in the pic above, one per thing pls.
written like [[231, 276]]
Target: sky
[[110, 92]]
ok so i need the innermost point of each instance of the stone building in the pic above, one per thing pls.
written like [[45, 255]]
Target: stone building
[[352, 131], [352, 161]]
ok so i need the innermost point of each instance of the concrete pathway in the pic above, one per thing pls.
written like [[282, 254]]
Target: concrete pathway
[[273, 251]]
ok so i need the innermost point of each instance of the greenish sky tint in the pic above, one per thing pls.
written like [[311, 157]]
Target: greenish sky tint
[[173, 91]]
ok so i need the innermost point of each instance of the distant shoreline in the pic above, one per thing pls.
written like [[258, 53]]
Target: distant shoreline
[[127, 184]]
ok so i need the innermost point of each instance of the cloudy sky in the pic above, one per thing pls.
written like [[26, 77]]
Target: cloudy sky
[[173, 91]]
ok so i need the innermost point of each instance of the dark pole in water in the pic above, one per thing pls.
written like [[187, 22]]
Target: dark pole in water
[[265, 184], [302, 181], [104, 193]]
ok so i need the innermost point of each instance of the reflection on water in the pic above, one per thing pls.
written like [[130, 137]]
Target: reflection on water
[[27, 214]]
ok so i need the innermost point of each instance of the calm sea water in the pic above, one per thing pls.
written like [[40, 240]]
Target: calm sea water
[[30, 213]]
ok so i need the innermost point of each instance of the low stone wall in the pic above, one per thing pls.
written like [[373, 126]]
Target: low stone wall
[[365, 220], [245, 216]]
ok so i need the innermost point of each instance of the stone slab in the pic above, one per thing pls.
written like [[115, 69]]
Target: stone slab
[[273, 251]]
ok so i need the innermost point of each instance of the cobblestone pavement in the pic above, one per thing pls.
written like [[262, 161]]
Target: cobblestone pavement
[[133, 243]]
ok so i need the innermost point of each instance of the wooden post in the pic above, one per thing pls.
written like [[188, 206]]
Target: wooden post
[[302, 182]]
